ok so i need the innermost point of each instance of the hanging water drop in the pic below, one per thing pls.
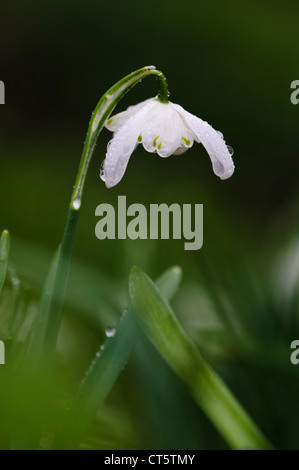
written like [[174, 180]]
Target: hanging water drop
[[110, 331], [230, 149]]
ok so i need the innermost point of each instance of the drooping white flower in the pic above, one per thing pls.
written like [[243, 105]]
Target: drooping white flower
[[164, 128]]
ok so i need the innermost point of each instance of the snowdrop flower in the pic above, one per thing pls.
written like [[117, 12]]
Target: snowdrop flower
[[165, 129]]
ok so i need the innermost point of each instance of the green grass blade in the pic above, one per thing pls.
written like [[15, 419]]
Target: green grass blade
[[4, 255], [182, 355], [169, 282], [106, 368]]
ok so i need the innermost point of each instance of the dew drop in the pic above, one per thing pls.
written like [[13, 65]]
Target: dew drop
[[77, 204], [102, 173], [110, 331], [15, 281], [98, 354], [220, 134], [230, 149]]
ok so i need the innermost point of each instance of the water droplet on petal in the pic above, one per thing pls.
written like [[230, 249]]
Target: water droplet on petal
[[110, 331], [102, 173], [220, 134], [230, 149]]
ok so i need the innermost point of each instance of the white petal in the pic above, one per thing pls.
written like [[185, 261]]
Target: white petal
[[181, 150], [213, 142], [120, 148], [165, 131], [115, 122]]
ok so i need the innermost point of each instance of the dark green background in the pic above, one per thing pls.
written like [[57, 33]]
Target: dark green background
[[230, 63]]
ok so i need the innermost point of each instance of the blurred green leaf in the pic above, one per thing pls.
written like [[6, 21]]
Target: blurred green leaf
[[182, 355], [105, 369], [89, 291], [37, 347]]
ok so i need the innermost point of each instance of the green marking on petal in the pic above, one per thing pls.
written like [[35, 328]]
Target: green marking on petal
[[155, 141], [110, 121], [139, 138], [187, 141], [159, 146]]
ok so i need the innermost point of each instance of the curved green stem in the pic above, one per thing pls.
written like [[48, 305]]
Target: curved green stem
[[163, 88], [101, 113]]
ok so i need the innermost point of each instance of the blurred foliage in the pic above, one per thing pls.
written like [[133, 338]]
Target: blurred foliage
[[231, 63]]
